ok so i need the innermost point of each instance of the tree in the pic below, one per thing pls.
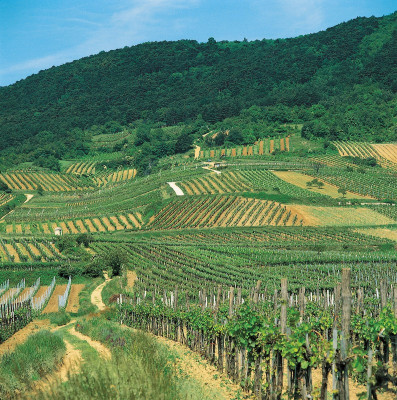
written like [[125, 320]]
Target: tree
[[115, 260], [85, 239], [342, 191]]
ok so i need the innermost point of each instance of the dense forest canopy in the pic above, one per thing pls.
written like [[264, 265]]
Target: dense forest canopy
[[340, 83]]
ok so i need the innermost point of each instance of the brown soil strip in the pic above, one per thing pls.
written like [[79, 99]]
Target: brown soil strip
[[64, 227], [23, 250], [99, 225], [116, 222], [90, 225], [202, 371], [134, 220], [72, 228], [73, 300], [46, 229], [21, 336], [40, 292], [52, 305], [109, 226], [131, 278], [123, 219], [80, 226]]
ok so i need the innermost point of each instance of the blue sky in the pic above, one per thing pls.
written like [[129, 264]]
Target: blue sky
[[37, 34]]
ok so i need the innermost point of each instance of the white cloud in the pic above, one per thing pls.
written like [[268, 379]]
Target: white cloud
[[293, 16], [130, 25]]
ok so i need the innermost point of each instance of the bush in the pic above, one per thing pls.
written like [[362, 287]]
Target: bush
[[60, 318]]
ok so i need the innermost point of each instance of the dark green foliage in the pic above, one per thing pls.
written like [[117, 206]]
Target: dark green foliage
[[91, 270], [60, 318], [6, 208], [340, 82], [85, 239], [114, 260], [4, 187]]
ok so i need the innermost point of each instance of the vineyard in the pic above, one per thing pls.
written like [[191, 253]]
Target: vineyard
[[20, 180], [20, 303], [252, 265], [260, 148], [223, 211], [26, 250], [257, 337], [386, 154]]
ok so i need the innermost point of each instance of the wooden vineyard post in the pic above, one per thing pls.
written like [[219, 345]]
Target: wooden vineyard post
[[369, 373], [283, 330], [301, 303], [342, 381], [230, 362], [394, 338], [256, 292], [258, 361], [261, 148]]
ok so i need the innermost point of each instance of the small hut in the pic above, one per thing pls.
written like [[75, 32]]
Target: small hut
[[58, 231]]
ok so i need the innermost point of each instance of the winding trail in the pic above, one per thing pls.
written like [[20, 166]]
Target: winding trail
[[103, 351], [96, 295], [212, 170]]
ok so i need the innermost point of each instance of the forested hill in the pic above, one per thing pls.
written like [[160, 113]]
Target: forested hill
[[349, 71]]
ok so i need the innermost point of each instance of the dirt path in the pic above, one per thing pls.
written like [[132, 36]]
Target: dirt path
[[103, 351], [200, 370], [131, 278], [96, 295], [213, 170], [28, 197], [178, 191], [70, 365]]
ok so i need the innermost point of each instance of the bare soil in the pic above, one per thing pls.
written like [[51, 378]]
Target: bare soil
[[73, 300], [52, 305]]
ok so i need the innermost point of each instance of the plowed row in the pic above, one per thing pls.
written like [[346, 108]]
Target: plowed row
[[32, 180], [260, 148], [112, 223], [24, 251], [386, 153], [227, 182], [221, 211]]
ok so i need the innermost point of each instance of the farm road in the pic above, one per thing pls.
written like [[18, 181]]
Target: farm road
[[178, 191]]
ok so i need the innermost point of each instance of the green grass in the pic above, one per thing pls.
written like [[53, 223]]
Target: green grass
[[59, 318], [30, 361], [140, 368], [86, 306], [111, 288]]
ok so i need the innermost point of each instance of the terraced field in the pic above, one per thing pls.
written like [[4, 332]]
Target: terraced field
[[51, 182], [341, 216], [260, 148], [302, 180], [28, 250], [385, 153], [215, 211]]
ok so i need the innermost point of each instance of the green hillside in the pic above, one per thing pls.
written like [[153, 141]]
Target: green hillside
[[340, 83]]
